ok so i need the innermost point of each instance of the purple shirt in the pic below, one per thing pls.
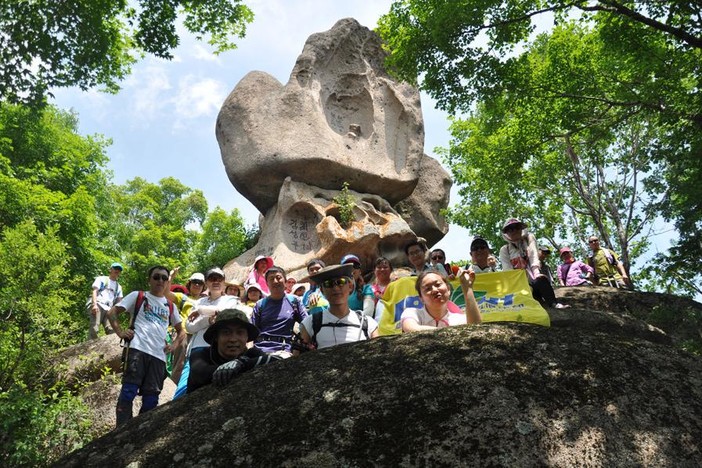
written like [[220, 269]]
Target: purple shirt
[[275, 320], [574, 275]]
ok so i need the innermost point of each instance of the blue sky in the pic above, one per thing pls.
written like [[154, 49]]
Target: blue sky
[[162, 121]]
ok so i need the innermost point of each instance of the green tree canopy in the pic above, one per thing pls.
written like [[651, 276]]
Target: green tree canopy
[[156, 224], [478, 56], [89, 43], [223, 238]]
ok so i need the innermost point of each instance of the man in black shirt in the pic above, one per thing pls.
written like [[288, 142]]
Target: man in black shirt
[[227, 355]]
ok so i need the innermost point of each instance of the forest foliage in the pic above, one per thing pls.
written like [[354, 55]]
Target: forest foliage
[[62, 222], [581, 117]]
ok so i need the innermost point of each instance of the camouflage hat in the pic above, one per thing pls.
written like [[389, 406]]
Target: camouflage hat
[[233, 316]]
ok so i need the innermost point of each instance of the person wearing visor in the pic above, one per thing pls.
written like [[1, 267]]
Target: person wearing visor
[[337, 324], [573, 272], [228, 354]]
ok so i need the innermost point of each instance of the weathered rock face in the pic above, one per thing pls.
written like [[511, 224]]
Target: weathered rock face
[[95, 368], [422, 209], [339, 118], [305, 223], [487, 395]]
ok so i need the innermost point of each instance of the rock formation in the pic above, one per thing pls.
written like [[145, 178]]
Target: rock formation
[[339, 118], [583, 392], [305, 219]]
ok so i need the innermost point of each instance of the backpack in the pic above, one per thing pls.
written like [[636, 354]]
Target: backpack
[[103, 286], [292, 300], [317, 325], [141, 298]]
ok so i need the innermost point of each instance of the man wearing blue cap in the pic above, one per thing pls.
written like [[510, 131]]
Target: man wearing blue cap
[[106, 293]]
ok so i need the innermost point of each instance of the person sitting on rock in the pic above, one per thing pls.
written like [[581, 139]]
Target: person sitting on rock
[[482, 260], [314, 299], [609, 271], [362, 296], [257, 275], [435, 292], [253, 294], [520, 253], [228, 355], [573, 272], [338, 324], [276, 315], [544, 253], [416, 252]]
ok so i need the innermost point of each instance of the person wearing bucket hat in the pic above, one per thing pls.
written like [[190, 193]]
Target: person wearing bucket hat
[[521, 253], [228, 355], [252, 294], [338, 324], [573, 272], [257, 275], [201, 317], [106, 292]]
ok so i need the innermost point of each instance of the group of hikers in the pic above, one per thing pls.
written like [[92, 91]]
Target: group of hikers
[[210, 330]]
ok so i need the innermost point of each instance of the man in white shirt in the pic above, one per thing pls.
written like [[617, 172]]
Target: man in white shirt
[[145, 353], [338, 324], [106, 293]]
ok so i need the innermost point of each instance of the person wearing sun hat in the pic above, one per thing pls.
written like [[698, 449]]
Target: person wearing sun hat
[[338, 324], [573, 272], [521, 253], [228, 355], [257, 275]]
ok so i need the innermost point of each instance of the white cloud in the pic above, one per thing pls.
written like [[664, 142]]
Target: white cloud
[[149, 90], [196, 98], [201, 53]]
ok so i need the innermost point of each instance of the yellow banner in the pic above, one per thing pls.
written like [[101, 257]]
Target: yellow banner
[[502, 297]]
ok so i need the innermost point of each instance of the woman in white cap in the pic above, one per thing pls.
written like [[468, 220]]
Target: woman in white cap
[[521, 253]]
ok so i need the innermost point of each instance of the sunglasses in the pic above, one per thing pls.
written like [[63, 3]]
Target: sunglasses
[[437, 257], [160, 277], [478, 248], [215, 278], [592, 241], [198, 282], [330, 283]]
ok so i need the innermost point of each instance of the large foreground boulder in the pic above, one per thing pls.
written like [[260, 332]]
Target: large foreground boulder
[[487, 395]]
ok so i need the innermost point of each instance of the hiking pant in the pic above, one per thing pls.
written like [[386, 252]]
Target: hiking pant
[[143, 375], [542, 290], [100, 318]]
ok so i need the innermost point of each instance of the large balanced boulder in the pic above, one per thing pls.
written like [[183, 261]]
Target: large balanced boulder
[[486, 395], [340, 118]]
